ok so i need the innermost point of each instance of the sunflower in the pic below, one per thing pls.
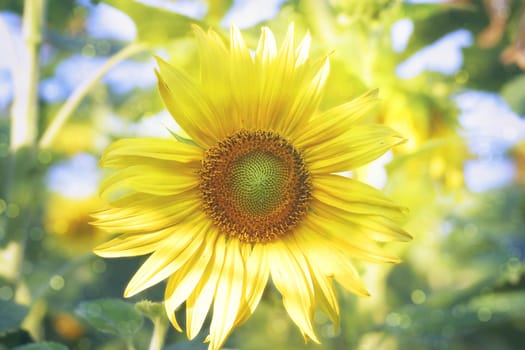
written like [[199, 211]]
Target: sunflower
[[66, 219], [254, 193]]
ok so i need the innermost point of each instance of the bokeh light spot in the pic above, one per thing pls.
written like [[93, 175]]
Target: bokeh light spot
[[45, 157], [57, 282], [98, 266], [13, 210], [3, 206], [6, 293], [484, 314], [89, 50], [418, 296], [393, 319]]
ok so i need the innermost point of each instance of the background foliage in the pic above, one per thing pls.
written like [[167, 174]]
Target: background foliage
[[461, 283]]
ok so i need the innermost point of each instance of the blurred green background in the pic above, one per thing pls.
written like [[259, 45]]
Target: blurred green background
[[75, 75]]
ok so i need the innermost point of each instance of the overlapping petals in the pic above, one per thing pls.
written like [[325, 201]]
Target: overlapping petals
[[273, 89], [156, 204]]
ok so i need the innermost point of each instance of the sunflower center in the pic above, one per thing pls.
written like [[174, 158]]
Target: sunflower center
[[256, 181], [255, 186]]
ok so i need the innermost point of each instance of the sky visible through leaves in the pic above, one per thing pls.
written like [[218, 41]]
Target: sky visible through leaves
[[489, 138]]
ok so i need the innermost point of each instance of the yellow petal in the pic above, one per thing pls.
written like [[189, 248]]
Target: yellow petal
[[168, 258], [257, 273], [335, 121], [188, 105], [133, 244], [282, 78], [266, 48], [237, 45], [376, 227], [358, 146], [354, 196], [157, 180], [243, 84], [124, 152], [149, 214], [199, 301], [327, 256], [325, 296], [183, 282], [215, 78], [287, 52], [294, 283], [323, 288], [352, 244], [306, 101], [228, 297], [214, 60], [303, 50]]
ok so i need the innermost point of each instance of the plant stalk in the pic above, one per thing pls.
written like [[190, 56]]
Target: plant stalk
[[81, 91], [24, 112], [23, 131], [160, 327]]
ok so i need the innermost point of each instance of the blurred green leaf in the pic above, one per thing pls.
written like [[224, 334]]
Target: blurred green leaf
[[513, 92], [484, 68], [456, 313], [195, 344], [422, 11], [111, 316], [429, 29], [154, 25], [13, 338], [12, 315], [42, 346]]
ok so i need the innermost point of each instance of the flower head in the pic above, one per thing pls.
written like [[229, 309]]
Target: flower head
[[67, 220], [254, 194]]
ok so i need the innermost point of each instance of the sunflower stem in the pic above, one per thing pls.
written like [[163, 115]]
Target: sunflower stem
[[130, 345], [23, 131], [159, 333], [24, 112], [82, 90]]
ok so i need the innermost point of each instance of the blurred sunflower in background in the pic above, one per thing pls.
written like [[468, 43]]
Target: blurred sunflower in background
[[435, 149], [66, 219], [256, 192]]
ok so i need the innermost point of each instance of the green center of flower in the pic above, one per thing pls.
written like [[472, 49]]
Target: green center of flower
[[255, 186], [257, 181]]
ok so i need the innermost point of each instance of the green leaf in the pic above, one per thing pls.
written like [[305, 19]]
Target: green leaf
[[12, 315], [430, 28], [182, 139], [195, 344], [154, 25], [513, 92], [484, 68], [111, 316], [461, 311], [42, 346], [423, 11], [10, 339]]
